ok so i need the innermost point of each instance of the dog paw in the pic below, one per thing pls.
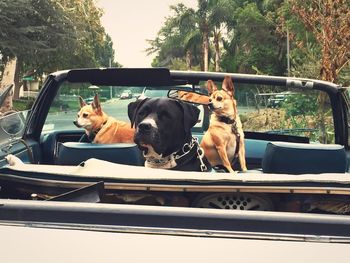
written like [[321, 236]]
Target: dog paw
[[13, 160]]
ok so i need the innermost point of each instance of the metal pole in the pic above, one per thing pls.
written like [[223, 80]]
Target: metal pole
[[110, 87], [288, 58]]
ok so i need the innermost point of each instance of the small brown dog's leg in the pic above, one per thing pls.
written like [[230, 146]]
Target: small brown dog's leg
[[241, 157], [223, 155]]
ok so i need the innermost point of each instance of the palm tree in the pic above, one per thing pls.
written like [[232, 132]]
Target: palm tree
[[214, 18], [202, 14], [178, 38], [189, 32]]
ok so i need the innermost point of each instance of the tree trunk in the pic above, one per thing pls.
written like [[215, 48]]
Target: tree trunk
[[206, 47], [189, 59], [217, 51], [8, 79], [17, 81]]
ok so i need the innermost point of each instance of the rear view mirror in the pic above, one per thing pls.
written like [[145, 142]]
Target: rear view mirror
[[189, 96]]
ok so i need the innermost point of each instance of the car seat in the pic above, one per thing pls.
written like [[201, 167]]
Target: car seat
[[73, 153], [301, 158]]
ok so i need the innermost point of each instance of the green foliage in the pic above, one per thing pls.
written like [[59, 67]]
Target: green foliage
[[47, 35], [305, 51], [178, 38], [23, 104], [242, 35], [254, 44], [300, 105]]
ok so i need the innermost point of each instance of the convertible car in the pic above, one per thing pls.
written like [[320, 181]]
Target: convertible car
[[296, 188], [296, 151]]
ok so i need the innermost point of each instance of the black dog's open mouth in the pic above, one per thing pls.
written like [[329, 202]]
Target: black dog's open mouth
[[143, 147], [148, 142]]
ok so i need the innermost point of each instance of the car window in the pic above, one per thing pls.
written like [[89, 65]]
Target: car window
[[114, 101], [295, 112], [262, 108]]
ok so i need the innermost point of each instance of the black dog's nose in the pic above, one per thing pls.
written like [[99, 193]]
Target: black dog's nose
[[144, 127]]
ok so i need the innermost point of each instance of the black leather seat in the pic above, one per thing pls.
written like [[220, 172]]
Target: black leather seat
[[73, 153], [299, 158]]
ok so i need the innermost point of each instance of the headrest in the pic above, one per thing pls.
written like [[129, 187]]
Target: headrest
[[300, 158], [73, 153]]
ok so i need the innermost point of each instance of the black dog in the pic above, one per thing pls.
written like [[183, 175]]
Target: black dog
[[163, 133]]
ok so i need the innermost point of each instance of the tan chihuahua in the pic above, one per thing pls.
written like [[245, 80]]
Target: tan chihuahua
[[224, 140], [101, 128]]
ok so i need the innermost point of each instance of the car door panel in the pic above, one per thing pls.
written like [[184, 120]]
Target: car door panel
[[49, 143], [28, 151]]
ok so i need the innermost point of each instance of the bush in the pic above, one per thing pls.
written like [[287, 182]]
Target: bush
[[300, 104], [23, 104]]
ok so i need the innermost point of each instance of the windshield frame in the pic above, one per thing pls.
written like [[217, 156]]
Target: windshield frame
[[168, 78]]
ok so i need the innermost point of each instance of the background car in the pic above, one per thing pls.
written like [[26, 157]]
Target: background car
[[126, 94]]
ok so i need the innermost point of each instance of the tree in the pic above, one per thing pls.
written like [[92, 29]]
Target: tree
[[203, 10], [220, 21], [189, 32], [212, 17], [178, 39], [28, 25], [29, 30], [329, 21], [253, 45], [47, 35]]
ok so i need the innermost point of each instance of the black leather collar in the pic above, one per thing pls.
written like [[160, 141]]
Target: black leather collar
[[93, 134], [226, 119]]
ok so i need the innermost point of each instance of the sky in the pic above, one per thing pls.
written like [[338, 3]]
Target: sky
[[131, 22]]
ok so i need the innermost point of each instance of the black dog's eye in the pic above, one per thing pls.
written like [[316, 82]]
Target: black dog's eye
[[143, 112], [164, 114], [85, 115]]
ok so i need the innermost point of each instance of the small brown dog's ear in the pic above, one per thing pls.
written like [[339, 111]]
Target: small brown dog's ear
[[227, 85], [96, 105], [211, 87], [82, 102]]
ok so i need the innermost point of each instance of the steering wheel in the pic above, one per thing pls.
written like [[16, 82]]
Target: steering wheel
[[85, 138]]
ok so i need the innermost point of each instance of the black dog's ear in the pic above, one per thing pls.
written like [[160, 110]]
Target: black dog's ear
[[191, 114], [133, 109]]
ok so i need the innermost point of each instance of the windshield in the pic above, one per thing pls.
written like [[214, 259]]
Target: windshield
[[114, 101], [262, 108]]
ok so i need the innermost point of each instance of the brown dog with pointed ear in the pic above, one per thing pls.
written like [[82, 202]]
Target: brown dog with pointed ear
[[101, 128], [224, 140]]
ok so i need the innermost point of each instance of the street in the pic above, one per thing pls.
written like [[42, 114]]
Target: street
[[64, 120]]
